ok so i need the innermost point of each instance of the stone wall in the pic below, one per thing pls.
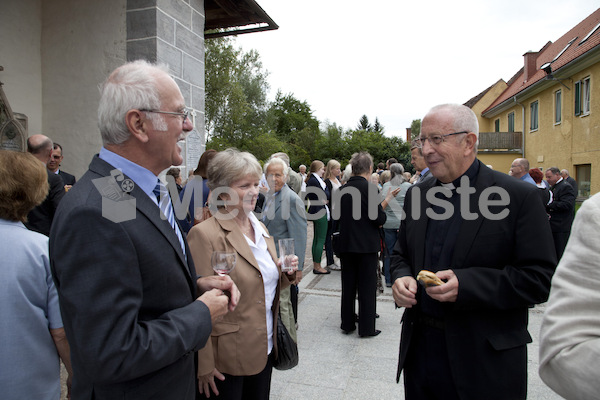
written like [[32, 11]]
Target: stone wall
[[171, 32], [20, 55], [56, 53]]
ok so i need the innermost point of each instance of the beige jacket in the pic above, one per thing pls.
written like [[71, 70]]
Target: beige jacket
[[239, 340]]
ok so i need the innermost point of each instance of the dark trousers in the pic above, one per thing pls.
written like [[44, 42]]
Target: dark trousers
[[390, 236], [328, 244], [427, 373], [560, 242], [359, 274], [253, 387]]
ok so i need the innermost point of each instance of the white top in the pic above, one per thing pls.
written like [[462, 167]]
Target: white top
[[268, 270], [303, 187], [335, 185]]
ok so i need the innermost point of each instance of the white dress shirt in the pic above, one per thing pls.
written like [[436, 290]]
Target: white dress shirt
[[268, 270]]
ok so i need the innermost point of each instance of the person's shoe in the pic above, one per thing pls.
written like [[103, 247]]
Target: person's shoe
[[347, 331], [334, 267], [320, 272], [377, 332]]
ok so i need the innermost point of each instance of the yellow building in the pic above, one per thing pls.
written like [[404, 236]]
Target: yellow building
[[551, 106]]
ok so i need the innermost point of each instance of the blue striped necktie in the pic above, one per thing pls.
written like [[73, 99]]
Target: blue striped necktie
[[166, 208]]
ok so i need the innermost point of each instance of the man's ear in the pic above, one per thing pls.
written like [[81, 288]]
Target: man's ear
[[137, 125], [471, 141]]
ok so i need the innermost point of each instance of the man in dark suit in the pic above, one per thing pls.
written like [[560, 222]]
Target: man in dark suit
[[561, 209], [565, 175], [359, 243], [40, 218], [487, 236], [54, 166], [127, 285], [418, 162]]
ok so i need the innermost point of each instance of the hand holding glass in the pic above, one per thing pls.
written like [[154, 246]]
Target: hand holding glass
[[223, 262], [286, 254]]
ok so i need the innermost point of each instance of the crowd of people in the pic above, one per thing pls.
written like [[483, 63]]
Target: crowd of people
[[117, 277]]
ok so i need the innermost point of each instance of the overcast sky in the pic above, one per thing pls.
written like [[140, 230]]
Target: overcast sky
[[395, 59]]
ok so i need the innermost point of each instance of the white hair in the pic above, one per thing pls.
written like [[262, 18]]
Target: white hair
[[283, 156], [464, 118], [277, 161], [131, 86]]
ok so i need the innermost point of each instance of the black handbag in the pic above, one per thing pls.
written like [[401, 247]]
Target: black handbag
[[287, 349]]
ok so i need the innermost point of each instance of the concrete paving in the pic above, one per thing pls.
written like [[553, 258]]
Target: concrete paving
[[337, 366]]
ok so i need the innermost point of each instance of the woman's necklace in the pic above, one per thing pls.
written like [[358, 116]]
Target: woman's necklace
[[247, 230]]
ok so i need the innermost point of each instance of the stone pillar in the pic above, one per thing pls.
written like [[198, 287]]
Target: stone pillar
[[171, 32]]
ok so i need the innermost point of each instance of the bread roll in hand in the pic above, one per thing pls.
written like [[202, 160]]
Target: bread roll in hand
[[428, 278]]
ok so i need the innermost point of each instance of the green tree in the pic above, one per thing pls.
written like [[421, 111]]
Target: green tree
[[363, 124], [377, 127], [292, 122], [415, 128], [332, 144], [236, 93]]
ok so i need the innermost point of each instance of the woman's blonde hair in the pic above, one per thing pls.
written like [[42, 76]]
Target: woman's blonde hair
[[331, 165], [23, 184]]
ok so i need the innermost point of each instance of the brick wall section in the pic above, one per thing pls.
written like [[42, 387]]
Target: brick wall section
[[172, 32]]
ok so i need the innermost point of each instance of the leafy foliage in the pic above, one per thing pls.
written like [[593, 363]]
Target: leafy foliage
[[239, 115], [236, 92], [415, 128]]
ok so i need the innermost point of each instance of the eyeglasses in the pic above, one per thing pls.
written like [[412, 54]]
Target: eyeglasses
[[435, 139], [184, 115]]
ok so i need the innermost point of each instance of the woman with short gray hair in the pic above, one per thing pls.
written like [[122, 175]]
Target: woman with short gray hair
[[243, 343], [393, 194]]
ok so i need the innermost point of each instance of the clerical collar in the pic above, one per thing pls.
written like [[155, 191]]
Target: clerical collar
[[471, 173]]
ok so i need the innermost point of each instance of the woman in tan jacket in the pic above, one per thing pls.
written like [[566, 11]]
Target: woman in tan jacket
[[243, 343]]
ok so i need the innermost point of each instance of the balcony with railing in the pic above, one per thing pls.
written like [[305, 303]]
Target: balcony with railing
[[501, 142]]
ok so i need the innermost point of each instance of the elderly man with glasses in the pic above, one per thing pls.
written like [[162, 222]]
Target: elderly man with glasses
[[487, 238], [133, 308]]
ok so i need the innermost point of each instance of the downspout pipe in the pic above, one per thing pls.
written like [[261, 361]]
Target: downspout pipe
[[523, 121]]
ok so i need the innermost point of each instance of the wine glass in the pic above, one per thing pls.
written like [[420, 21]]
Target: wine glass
[[286, 254], [222, 262]]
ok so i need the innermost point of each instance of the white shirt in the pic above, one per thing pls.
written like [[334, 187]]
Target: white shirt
[[268, 270], [303, 187]]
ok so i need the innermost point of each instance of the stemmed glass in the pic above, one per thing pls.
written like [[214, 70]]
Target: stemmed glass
[[222, 262]]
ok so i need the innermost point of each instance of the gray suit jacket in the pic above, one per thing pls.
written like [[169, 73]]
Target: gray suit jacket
[[294, 180], [281, 227], [127, 296]]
